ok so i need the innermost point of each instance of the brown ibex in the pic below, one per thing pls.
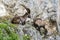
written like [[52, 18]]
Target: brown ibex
[[21, 19]]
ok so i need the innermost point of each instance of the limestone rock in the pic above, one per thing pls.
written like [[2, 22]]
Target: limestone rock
[[3, 11]]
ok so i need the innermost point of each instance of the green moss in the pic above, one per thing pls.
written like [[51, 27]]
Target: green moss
[[2, 25], [8, 31]]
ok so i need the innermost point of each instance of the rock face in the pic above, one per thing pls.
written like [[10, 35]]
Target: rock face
[[58, 16], [3, 11], [30, 30], [44, 9]]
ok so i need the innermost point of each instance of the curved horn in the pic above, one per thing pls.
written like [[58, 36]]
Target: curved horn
[[28, 10]]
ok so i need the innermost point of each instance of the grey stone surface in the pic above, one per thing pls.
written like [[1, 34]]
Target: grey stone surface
[[46, 8], [43, 8], [28, 29]]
